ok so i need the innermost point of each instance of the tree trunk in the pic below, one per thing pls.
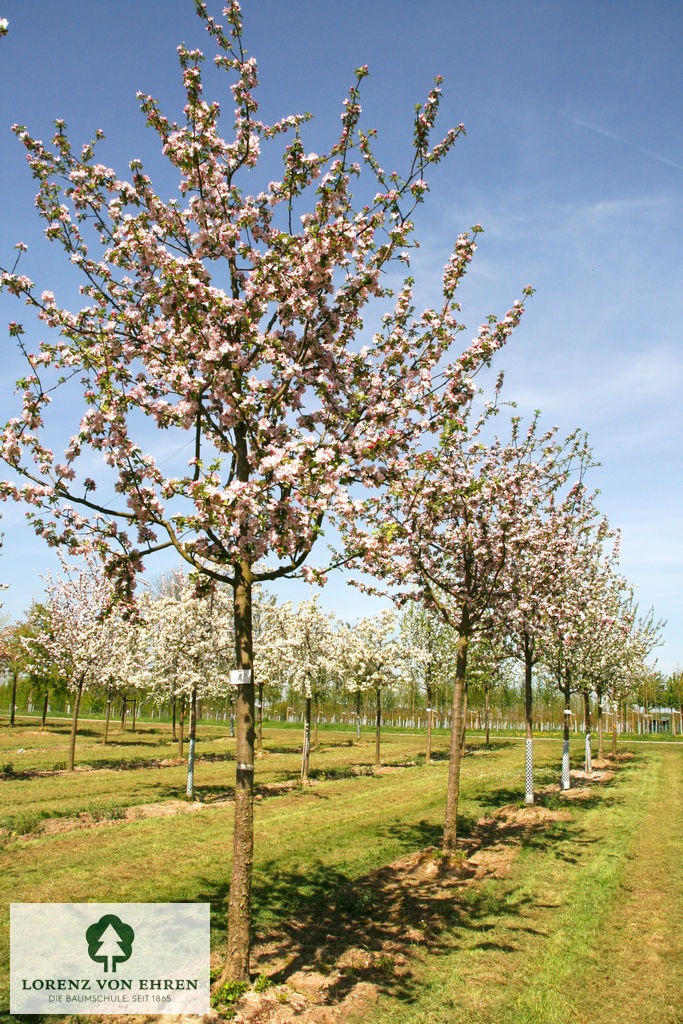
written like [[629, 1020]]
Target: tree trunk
[[358, 715], [600, 724], [135, 710], [528, 697], [487, 699], [378, 724], [193, 736], [428, 757], [181, 727], [587, 725], [45, 703], [14, 696], [173, 719], [306, 748], [450, 831], [74, 726], [614, 724], [123, 714], [106, 720], [239, 911], [566, 779]]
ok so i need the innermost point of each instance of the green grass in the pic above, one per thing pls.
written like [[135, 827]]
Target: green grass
[[130, 777], [587, 930], [511, 952], [310, 844]]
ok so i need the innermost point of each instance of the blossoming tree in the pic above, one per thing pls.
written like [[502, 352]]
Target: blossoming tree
[[439, 534], [184, 636], [586, 558], [429, 646], [74, 638], [487, 657], [227, 317], [533, 582], [370, 656], [307, 650]]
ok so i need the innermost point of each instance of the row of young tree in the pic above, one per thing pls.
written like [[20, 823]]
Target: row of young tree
[[233, 317], [177, 652]]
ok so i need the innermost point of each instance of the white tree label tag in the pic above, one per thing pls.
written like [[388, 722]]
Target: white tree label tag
[[240, 676]]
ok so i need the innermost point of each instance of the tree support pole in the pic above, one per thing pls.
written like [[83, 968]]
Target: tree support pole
[[306, 748], [566, 779], [259, 730], [378, 726], [74, 726], [316, 713], [181, 728], [487, 702], [12, 709], [193, 736], [450, 832], [463, 716], [106, 721], [587, 721]]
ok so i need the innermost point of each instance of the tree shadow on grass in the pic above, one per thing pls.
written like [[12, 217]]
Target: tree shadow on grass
[[474, 748], [117, 765], [491, 799], [562, 841], [351, 931], [477, 745], [350, 772], [317, 920], [281, 748]]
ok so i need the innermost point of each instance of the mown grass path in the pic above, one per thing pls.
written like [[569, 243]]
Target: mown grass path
[[587, 929]]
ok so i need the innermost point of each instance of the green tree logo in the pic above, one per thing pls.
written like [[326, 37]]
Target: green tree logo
[[110, 941]]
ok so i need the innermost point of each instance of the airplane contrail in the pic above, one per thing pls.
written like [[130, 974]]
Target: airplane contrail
[[626, 142]]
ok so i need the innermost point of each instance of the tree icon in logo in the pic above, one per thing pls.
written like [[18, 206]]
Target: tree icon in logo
[[110, 941]]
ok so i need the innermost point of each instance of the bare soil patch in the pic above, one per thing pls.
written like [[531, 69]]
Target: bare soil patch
[[161, 809], [594, 776], [326, 968], [386, 769]]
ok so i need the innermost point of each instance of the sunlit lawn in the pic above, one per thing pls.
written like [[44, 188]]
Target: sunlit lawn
[[566, 906]]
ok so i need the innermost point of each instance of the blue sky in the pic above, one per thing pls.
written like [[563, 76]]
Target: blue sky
[[572, 163]]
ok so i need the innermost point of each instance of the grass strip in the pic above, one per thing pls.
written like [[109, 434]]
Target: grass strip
[[309, 843], [539, 955]]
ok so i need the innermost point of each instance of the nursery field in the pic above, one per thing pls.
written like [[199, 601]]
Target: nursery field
[[567, 911]]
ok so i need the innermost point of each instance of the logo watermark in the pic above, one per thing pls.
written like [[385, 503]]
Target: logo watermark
[[110, 941], [68, 958]]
